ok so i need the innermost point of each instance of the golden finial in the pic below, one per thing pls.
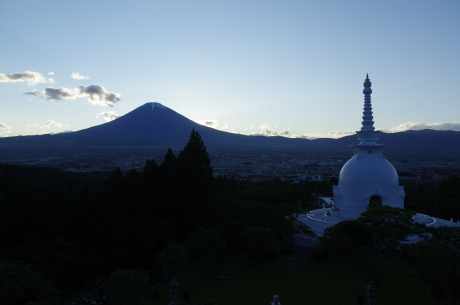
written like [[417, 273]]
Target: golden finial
[[367, 80]]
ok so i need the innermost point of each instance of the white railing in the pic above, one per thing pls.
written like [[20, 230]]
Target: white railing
[[319, 222], [425, 219], [433, 221], [311, 220], [448, 223], [306, 236], [319, 211]]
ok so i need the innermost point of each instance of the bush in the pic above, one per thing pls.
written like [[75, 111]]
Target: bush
[[359, 233], [319, 252], [174, 258], [155, 295], [20, 285], [206, 242], [126, 286], [207, 302], [259, 242]]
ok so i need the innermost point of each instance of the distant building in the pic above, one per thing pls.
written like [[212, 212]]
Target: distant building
[[317, 178], [326, 202]]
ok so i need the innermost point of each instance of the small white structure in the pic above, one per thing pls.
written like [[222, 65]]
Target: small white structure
[[276, 300]]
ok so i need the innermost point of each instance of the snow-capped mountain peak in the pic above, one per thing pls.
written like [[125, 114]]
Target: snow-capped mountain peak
[[154, 105]]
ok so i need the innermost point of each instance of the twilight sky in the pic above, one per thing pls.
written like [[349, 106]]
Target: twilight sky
[[292, 67]]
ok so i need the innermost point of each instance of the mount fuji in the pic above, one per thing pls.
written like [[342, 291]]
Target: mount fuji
[[153, 126], [150, 126]]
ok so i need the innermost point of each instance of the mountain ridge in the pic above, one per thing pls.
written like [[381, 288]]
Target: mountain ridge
[[155, 125]]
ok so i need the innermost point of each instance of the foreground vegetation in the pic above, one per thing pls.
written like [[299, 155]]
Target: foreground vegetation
[[69, 233], [335, 280], [59, 230]]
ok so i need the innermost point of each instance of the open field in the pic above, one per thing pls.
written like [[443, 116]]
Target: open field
[[301, 281]]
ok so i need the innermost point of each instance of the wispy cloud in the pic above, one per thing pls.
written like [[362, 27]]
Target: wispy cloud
[[419, 126], [339, 134], [210, 123], [78, 76], [309, 136], [267, 131], [4, 129], [33, 92], [64, 131], [48, 124], [56, 93], [97, 95], [330, 134], [50, 73], [32, 78], [264, 126], [213, 124], [52, 123], [108, 115]]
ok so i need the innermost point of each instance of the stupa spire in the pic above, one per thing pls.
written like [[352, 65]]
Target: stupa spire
[[368, 119], [367, 134]]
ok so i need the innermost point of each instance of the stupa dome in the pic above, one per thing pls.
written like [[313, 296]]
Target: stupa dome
[[367, 179], [368, 174]]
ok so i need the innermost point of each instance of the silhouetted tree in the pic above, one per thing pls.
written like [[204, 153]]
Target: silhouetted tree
[[194, 159], [436, 258], [259, 242], [174, 258], [448, 198], [126, 286], [390, 226], [195, 184], [20, 285], [350, 233], [169, 161]]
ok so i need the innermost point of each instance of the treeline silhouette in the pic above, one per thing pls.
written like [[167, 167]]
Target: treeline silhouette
[[440, 200], [68, 230], [71, 227]]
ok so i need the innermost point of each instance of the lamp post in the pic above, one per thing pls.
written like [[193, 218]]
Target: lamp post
[[276, 300], [371, 292], [174, 284]]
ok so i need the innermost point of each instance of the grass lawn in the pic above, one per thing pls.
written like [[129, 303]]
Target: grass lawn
[[302, 281]]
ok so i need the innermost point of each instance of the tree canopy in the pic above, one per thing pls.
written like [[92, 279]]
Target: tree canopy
[[390, 226], [71, 231], [19, 285]]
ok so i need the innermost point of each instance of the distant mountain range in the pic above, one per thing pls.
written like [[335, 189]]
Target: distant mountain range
[[153, 126]]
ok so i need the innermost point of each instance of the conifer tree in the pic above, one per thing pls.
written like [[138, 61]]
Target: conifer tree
[[194, 158], [149, 168], [195, 183], [170, 161], [168, 182]]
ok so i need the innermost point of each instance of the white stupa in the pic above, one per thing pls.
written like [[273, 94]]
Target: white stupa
[[367, 177]]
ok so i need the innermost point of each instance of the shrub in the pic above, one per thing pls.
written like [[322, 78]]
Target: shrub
[[319, 252], [259, 242]]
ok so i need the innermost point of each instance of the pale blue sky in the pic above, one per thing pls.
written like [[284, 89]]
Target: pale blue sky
[[251, 66]]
